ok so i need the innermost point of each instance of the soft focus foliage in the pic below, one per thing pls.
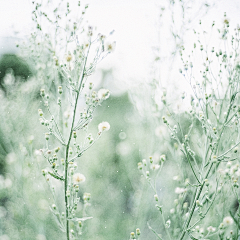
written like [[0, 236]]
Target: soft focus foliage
[[168, 166]]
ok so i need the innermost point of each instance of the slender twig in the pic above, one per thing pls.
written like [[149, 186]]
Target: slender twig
[[68, 145]]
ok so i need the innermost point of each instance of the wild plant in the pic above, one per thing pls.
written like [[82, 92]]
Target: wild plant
[[203, 149], [66, 115]]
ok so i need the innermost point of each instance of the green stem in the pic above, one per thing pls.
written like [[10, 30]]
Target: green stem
[[68, 145], [210, 167], [194, 204]]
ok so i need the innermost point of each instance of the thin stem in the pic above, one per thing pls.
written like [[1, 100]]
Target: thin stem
[[228, 150], [68, 145], [209, 169]]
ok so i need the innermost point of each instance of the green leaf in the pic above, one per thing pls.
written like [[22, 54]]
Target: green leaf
[[55, 176], [80, 219]]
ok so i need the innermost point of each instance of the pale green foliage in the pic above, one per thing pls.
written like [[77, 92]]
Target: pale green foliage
[[203, 149]]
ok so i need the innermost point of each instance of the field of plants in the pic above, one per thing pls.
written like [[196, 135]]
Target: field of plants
[[158, 161]]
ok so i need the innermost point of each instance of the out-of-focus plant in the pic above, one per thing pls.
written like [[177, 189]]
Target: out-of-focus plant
[[204, 150], [20, 69]]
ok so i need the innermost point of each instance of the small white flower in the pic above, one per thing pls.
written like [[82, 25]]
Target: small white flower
[[229, 164], [37, 152], [180, 190], [211, 229], [172, 211], [103, 94], [168, 223], [155, 166], [163, 157], [109, 46], [78, 178], [227, 221], [176, 178], [67, 114], [69, 61], [103, 126]]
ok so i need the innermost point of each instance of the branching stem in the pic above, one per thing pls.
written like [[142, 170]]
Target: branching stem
[[68, 145]]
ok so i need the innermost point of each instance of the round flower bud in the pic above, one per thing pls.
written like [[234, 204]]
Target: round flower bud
[[55, 157], [47, 136], [156, 197], [140, 166], [80, 224], [164, 119], [68, 193], [60, 91], [57, 149], [132, 235], [198, 203], [144, 162], [44, 172], [138, 231], [214, 158], [42, 92], [54, 206], [90, 86], [40, 112], [41, 121], [163, 157], [235, 150], [206, 182], [75, 134]]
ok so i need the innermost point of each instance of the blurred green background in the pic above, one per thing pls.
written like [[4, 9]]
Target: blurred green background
[[121, 199], [118, 205]]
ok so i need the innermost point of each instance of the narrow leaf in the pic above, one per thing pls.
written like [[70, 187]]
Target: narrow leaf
[[55, 176]]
